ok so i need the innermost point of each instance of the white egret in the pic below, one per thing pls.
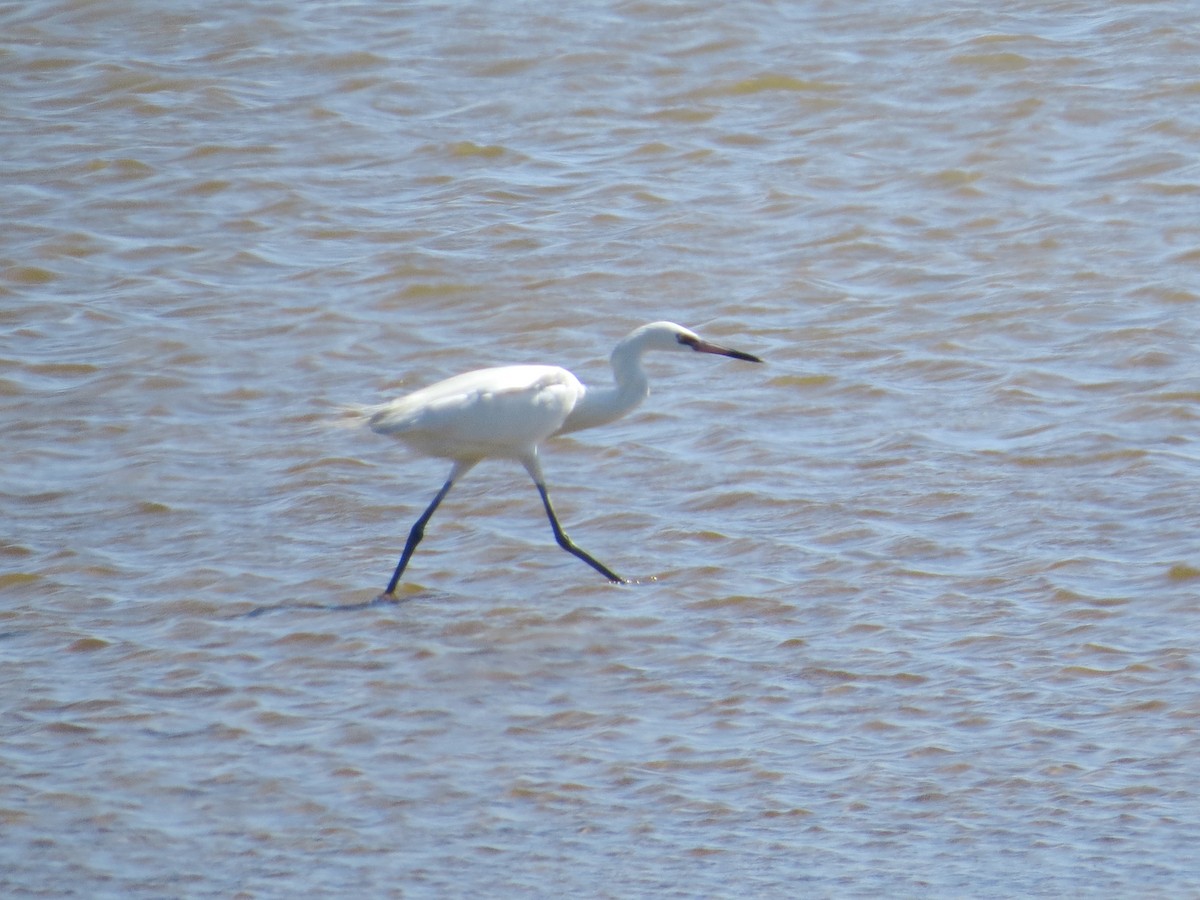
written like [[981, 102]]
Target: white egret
[[508, 411]]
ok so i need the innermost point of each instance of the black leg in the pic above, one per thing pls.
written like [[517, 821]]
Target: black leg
[[418, 532], [566, 544]]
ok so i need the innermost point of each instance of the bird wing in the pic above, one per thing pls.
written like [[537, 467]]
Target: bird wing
[[504, 411]]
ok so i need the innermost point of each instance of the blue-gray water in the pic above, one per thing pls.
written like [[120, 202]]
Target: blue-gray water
[[924, 620]]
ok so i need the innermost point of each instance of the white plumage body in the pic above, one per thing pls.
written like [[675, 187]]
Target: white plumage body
[[500, 412]]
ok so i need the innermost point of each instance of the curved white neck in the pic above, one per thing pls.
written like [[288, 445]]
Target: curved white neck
[[599, 406]]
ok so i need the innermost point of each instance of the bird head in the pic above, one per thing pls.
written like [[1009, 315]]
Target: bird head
[[669, 336]]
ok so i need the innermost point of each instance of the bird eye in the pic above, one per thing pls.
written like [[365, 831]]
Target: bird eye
[[688, 340]]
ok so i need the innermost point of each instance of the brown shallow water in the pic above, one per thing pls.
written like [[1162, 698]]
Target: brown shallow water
[[920, 604]]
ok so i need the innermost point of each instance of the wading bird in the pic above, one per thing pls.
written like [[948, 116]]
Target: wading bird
[[508, 411]]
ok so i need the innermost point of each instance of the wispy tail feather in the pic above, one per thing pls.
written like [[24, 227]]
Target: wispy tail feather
[[354, 415]]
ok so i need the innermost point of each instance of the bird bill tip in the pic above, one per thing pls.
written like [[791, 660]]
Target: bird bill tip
[[738, 354], [706, 347]]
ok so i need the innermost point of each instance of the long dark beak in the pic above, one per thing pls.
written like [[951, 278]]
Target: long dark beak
[[705, 347]]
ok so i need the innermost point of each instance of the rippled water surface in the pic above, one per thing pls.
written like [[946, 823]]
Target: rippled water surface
[[918, 611]]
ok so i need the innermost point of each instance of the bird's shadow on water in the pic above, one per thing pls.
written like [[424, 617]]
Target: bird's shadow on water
[[383, 600], [375, 602]]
